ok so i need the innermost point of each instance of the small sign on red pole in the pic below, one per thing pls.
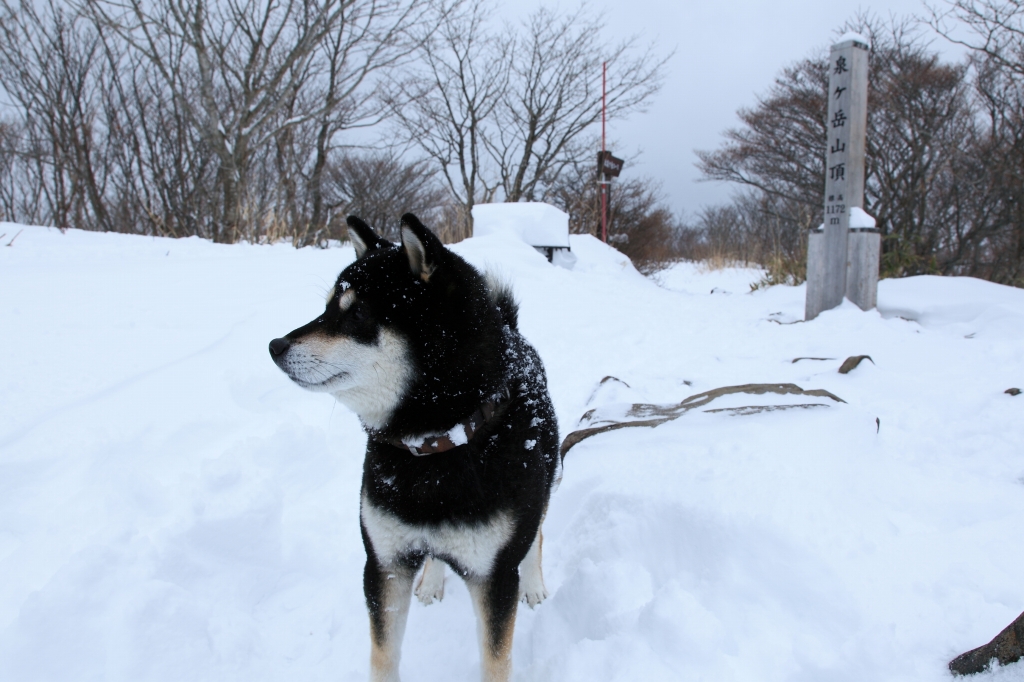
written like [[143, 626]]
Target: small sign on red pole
[[608, 165], [600, 177]]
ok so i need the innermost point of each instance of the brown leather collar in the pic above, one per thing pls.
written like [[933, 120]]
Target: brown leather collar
[[460, 434]]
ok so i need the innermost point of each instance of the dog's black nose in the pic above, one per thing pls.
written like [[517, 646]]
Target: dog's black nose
[[279, 346]]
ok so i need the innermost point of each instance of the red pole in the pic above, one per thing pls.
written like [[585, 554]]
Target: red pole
[[601, 177]]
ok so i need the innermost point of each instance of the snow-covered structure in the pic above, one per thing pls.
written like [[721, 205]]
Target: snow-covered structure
[[540, 225]]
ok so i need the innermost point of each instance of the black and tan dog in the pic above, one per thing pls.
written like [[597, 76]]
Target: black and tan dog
[[463, 444]]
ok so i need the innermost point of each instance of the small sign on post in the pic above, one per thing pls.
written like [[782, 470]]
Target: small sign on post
[[608, 165], [829, 252]]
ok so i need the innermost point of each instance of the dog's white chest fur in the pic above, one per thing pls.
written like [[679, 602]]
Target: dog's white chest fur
[[473, 547]]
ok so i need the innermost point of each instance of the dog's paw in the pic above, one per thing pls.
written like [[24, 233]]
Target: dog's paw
[[431, 584], [534, 596], [427, 597]]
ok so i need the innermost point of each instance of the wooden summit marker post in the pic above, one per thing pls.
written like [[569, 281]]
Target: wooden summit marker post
[[829, 268]]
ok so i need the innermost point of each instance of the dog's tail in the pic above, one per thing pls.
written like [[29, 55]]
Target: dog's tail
[[501, 293]]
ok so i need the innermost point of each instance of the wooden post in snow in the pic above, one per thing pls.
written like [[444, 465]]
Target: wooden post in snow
[[831, 275]]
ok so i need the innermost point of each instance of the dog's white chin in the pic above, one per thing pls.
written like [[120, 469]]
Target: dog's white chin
[[373, 408]]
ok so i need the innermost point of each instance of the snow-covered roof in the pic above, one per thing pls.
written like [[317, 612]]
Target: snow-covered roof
[[536, 223]]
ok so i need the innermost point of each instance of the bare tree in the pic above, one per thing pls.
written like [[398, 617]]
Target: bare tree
[[995, 28], [244, 74], [9, 194], [920, 122], [447, 108], [554, 95], [995, 180], [49, 58], [374, 38], [380, 187], [755, 227], [502, 112], [991, 243], [920, 126]]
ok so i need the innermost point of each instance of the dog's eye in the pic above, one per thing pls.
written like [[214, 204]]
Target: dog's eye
[[360, 313]]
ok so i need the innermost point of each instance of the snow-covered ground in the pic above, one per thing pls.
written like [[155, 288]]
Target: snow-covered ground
[[173, 508]]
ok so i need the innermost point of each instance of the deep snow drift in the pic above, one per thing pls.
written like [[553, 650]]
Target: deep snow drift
[[173, 508]]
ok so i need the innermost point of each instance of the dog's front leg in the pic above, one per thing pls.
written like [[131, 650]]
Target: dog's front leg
[[388, 593], [531, 575], [495, 600]]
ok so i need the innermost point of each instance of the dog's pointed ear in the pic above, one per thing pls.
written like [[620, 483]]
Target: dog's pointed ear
[[363, 238], [421, 247]]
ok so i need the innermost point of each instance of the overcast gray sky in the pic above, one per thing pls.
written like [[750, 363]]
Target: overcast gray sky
[[727, 53]]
